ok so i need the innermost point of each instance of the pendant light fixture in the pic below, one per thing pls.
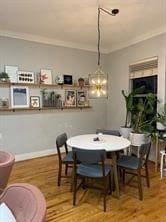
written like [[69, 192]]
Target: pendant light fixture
[[98, 80]]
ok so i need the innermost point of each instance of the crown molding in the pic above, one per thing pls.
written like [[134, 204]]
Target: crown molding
[[45, 40], [137, 40], [52, 41]]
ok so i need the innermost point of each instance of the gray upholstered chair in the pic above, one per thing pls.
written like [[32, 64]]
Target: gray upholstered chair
[[64, 159], [7, 160], [134, 165], [109, 132], [91, 165], [26, 202]]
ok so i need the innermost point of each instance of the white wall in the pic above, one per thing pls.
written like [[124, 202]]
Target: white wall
[[26, 132], [118, 66]]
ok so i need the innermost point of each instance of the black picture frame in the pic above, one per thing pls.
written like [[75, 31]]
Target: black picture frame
[[68, 79]]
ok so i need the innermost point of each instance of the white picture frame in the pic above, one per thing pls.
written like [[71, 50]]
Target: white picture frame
[[46, 76], [19, 97], [26, 77], [12, 72]]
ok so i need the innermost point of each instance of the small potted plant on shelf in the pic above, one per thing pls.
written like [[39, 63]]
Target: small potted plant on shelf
[[4, 77], [143, 119]]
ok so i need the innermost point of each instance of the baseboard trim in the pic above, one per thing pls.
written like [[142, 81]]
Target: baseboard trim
[[32, 155]]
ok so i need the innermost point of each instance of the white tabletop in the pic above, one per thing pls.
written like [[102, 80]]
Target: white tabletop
[[107, 142]]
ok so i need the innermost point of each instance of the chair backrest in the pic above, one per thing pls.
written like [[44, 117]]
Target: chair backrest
[[144, 151], [26, 202], [61, 143], [108, 132], [89, 157], [7, 160]]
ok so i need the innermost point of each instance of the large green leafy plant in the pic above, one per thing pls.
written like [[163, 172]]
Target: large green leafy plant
[[144, 114], [161, 116], [129, 104]]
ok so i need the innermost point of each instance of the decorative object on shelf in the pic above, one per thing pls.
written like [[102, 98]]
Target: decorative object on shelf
[[19, 97], [82, 98], [68, 80], [35, 101], [98, 80], [4, 77], [26, 77], [46, 76], [59, 79], [4, 103], [70, 98], [12, 72], [81, 82], [51, 99]]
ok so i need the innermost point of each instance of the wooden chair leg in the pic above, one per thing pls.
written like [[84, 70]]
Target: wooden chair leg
[[123, 176], [59, 174], [110, 183], [74, 189], [66, 169], [105, 191], [147, 176], [140, 186]]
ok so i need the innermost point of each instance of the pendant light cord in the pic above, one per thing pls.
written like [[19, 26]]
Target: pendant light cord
[[113, 13], [98, 44]]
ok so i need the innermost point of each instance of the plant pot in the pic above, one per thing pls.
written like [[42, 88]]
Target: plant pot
[[160, 126], [125, 131], [138, 138]]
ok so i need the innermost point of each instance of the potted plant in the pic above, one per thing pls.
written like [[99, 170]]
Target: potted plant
[[143, 119], [128, 97], [4, 77]]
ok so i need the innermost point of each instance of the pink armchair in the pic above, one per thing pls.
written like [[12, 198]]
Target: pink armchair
[[26, 202], [6, 164]]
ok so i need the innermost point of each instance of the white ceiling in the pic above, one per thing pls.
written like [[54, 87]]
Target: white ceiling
[[73, 23]]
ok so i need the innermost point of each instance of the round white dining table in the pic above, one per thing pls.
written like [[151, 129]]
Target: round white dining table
[[109, 143]]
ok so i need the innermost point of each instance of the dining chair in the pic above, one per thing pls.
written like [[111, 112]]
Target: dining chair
[[108, 132], [64, 159], [91, 165], [134, 165]]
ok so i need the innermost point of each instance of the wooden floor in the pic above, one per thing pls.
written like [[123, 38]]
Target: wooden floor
[[42, 172]]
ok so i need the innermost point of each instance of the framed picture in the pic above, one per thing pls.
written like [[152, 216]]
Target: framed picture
[[68, 79], [35, 101], [82, 98], [70, 98], [46, 76], [26, 77], [12, 72], [86, 81], [19, 97]]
